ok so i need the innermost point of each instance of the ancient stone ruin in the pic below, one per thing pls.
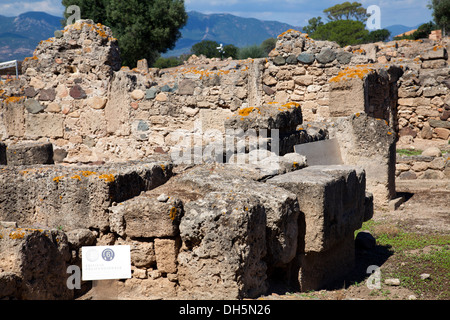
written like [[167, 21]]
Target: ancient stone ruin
[[196, 168]]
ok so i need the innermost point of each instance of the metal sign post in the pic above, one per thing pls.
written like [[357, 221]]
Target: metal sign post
[[10, 64]]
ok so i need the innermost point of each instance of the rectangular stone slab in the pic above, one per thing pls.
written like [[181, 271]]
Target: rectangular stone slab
[[331, 200], [73, 197]]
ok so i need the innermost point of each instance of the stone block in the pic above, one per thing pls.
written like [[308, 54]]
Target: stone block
[[331, 201], [33, 195], [281, 207], [44, 125], [142, 254], [284, 117], [29, 154], [146, 217], [33, 106], [347, 97], [224, 244], [33, 264], [166, 252]]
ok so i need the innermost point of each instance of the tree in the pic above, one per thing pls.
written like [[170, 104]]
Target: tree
[[231, 51], [144, 28], [268, 45], [344, 32], [313, 24], [422, 32], [441, 13], [377, 35], [346, 11], [253, 52], [207, 48], [163, 63]]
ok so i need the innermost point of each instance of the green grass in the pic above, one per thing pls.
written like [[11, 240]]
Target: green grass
[[409, 152], [413, 255]]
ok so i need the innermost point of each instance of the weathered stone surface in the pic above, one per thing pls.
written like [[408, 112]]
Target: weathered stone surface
[[279, 61], [186, 87], [29, 154], [33, 264], [44, 125], [80, 237], [77, 92], [318, 269], [137, 94], [356, 135], [331, 200], [223, 248], [37, 195], [432, 152], [306, 58], [142, 254], [439, 124], [146, 217], [344, 57], [47, 95], [280, 205], [326, 55], [33, 106], [284, 117], [166, 252]]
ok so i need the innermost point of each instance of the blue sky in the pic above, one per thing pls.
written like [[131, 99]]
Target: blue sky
[[294, 12]]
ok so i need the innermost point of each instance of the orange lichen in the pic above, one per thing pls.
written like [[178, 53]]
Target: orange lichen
[[13, 99], [246, 111], [360, 71], [107, 177], [58, 179], [76, 177], [173, 213], [288, 31], [87, 173]]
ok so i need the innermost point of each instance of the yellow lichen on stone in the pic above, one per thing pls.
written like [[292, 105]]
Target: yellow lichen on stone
[[107, 177], [360, 71]]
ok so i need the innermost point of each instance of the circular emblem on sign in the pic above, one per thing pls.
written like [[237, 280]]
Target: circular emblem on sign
[[108, 254], [92, 255]]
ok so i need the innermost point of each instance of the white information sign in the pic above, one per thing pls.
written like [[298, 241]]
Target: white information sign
[[105, 263]]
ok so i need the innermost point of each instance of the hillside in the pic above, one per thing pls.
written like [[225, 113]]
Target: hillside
[[20, 35]]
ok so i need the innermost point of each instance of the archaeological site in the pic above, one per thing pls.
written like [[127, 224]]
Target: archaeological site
[[225, 177]]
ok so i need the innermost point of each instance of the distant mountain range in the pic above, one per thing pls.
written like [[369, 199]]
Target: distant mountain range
[[20, 35]]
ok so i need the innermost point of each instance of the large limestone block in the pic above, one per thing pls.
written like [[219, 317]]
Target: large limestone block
[[369, 143], [331, 201], [44, 125], [281, 207], [29, 154], [283, 117], [223, 248], [74, 197], [146, 217], [33, 264]]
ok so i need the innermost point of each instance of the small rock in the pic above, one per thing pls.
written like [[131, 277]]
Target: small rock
[[77, 92], [392, 282], [425, 276], [412, 297], [306, 58], [326, 55], [163, 198], [432, 152], [33, 106], [279, 61], [137, 94]]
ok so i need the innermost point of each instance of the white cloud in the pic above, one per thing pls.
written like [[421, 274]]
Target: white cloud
[[14, 8]]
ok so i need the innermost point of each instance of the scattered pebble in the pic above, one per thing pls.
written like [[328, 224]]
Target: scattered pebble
[[392, 282], [163, 198], [425, 276]]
